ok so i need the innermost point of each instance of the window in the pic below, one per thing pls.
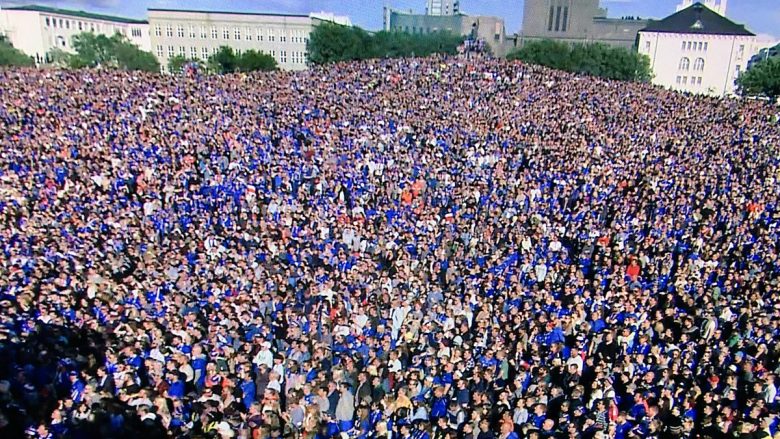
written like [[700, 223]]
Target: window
[[180, 31], [169, 30], [61, 26], [272, 37], [259, 34], [565, 18], [741, 51], [698, 81], [182, 51], [159, 51], [225, 33], [170, 51], [237, 33], [647, 46], [705, 46], [283, 56], [689, 45], [248, 34], [737, 70], [685, 64], [214, 32], [283, 38], [685, 80], [136, 32], [683, 45], [701, 45], [550, 20], [67, 24], [698, 65], [557, 19], [238, 52], [193, 52], [191, 33], [81, 25], [204, 53], [61, 41], [92, 27], [679, 79], [203, 32], [214, 50], [48, 22], [157, 30]]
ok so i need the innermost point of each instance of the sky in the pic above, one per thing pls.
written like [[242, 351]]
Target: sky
[[760, 16]]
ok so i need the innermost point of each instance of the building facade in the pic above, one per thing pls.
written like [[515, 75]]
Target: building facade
[[491, 30], [36, 30], [576, 21], [442, 7], [200, 34], [697, 50]]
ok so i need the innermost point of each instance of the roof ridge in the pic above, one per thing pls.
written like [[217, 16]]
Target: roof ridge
[[76, 13], [697, 19]]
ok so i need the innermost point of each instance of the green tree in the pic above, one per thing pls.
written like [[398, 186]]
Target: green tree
[[330, 42], [115, 51], [549, 53], [176, 64], [58, 57], [594, 59], [224, 61], [763, 79], [92, 50], [252, 60], [11, 56]]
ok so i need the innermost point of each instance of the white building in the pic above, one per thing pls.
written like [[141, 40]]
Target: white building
[[697, 50], [442, 7], [200, 34], [35, 30]]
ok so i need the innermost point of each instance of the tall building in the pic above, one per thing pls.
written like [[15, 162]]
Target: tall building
[[36, 30], [577, 21], [698, 50], [718, 6], [491, 30], [200, 34], [442, 7]]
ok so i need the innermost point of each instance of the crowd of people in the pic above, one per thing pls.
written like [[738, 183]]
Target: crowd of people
[[398, 249]]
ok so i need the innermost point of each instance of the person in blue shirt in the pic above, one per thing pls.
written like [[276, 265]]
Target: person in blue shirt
[[438, 405], [248, 389], [175, 385], [77, 387]]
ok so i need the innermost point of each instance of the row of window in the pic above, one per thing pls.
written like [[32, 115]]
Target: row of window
[[694, 45], [236, 33], [694, 80], [61, 23], [419, 30], [296, 57], [685, 64], [561, 20]]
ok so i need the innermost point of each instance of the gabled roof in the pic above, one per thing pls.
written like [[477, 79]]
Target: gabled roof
[[697, 19], [77, 14]]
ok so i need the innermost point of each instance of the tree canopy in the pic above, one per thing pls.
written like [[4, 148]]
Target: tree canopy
[[591, 59], [11, 56], [330, 42], [227, 61], [252, 60], [763, 79], [115, 51]]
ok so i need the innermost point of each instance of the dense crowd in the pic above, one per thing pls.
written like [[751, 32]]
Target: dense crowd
[[407, 249]]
